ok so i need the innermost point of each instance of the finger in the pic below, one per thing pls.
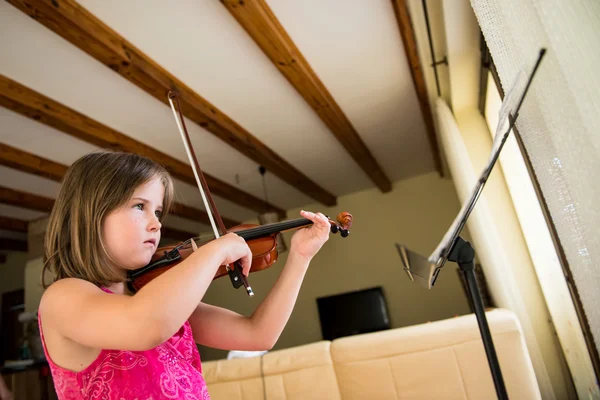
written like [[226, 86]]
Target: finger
[[314, 217], [322, 222], [194, 245], [246, 262], [308, 214], [322, 218], [246, 258], [318, 219]]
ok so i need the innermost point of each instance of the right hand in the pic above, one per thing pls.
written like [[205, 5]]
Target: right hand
[[234, 248]]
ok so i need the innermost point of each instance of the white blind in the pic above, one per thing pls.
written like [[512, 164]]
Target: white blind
[[560, 119]]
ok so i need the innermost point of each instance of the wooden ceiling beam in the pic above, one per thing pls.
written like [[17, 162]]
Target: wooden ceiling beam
[[25, 200], [17, 225], [30, 163], [410, 47], [261, 24], [39, 203], [77, 25], [13, 224], [26, 162], [29, 103]]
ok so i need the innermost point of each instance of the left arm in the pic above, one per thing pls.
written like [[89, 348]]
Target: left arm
[[224, 329]]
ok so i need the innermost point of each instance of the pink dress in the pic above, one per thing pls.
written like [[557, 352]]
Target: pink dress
[[170, 371]]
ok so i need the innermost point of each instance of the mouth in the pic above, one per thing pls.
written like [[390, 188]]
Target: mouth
[[151, 241]]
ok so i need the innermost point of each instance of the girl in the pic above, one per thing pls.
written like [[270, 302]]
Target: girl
[[103, 342]]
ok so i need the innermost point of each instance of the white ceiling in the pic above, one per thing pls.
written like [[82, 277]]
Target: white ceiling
[[356, 50]]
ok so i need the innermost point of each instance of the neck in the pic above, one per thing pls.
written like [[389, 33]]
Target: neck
[[120, 288], [268, 229]]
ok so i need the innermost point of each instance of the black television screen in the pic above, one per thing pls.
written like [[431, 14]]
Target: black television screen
[[353, 313]]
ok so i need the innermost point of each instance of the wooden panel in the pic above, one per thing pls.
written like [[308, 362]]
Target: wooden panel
[[13, 224], [410, 47], [77, 25], [26, 162], [31, 104], [261, 24]]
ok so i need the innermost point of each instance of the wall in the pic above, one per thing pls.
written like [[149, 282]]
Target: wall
[[35, 260], [33, 284], [12, 276], [416, 212]]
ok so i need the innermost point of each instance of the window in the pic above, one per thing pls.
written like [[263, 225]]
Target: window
[[538, 238]]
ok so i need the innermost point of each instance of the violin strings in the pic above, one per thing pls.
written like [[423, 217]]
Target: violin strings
[[259, 231], [272, 228], [185, 243]]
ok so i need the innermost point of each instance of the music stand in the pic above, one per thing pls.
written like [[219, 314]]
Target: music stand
[[454, 248]]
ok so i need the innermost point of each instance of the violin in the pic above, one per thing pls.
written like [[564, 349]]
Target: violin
[[261, 239]]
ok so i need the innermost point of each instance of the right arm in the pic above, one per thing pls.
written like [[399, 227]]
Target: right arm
[[82, 312]]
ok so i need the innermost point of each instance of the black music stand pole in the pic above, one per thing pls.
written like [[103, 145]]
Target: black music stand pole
[[463, 254]]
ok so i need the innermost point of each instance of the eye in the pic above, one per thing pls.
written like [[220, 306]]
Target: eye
[[158, 214], [139, 206]]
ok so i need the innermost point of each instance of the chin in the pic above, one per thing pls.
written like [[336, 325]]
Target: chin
[[142, 263], [137, 264]]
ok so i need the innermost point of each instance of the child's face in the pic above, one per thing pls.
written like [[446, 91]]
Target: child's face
[[132, 232]]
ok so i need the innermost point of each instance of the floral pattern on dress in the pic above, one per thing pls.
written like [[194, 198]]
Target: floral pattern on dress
[[171, 370], [96, 385]]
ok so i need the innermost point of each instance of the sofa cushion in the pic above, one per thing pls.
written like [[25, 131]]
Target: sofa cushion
[[443, 359], [302, 372]]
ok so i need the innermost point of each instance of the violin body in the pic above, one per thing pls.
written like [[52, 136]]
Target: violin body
[[264, 251], [264, 254], [261, 239]]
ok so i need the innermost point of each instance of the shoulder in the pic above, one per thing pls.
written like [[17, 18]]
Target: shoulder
[[65, 291], [60, 316]]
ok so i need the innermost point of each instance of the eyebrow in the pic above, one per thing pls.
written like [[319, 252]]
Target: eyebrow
[[144, 201]]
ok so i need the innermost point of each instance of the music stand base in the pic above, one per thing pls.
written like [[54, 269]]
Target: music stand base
[[463, 254]]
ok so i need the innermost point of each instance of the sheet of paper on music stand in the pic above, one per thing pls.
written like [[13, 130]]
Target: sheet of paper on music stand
[[426, 269], [508, 105]]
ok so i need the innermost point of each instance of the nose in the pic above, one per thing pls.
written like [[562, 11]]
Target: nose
[[154, 224]]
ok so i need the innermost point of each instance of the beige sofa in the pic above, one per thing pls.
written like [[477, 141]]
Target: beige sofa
[[438, 360]]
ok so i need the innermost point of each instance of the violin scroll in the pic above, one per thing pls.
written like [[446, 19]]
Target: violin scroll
[[342, 225]]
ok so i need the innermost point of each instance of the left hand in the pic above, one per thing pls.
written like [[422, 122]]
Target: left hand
[[308, 241]]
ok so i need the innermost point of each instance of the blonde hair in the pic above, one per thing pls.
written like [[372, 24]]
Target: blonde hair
[[93, 186]]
